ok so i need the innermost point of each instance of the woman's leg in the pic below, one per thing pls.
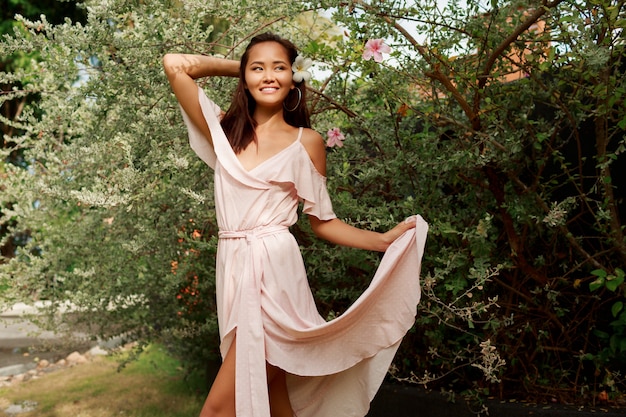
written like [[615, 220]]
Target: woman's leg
[[221, 399], [280, 406]]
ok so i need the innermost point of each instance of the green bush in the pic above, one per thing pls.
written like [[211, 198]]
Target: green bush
[[521, 181]]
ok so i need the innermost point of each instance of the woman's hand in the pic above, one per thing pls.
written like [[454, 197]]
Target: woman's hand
[[183, 69], [391, 235]]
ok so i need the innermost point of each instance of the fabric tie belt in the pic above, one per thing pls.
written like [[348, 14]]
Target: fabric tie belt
[[252, 234], [251, 396]]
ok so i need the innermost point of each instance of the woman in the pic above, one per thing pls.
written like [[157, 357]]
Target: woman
[[280, 358]]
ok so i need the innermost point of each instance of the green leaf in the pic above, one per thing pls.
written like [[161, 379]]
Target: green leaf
[[616, 308], [600, 334], [613, 282], [599, 273], [598, 283]]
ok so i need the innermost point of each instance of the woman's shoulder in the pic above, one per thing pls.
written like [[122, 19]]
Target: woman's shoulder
[[313, 143], [311, 138]]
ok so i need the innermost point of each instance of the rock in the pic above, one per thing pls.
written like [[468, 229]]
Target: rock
[[49, 369], [97, 351], [61, 362], [76, 358], [43, 364], [17, 378]]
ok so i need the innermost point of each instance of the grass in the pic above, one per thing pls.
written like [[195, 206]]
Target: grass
[[153, 386]]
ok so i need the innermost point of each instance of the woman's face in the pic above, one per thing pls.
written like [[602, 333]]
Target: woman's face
[[268, 74]]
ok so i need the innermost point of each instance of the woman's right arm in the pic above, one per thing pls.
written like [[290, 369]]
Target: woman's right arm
[[183, 69]]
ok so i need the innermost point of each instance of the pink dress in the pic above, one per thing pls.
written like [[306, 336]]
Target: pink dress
[[333, 368]]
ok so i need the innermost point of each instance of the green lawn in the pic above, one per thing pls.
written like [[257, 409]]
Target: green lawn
[[153, 386]]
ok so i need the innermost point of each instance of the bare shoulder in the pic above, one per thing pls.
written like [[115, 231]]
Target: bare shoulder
[[315, 147], [311, 138]]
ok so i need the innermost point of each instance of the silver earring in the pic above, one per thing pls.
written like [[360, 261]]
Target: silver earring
[[297, 104]]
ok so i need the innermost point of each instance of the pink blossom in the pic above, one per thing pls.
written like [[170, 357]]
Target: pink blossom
[[335, 138], [375, 48]]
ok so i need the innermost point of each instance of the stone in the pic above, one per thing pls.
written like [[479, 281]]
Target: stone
[[43, 364], [17, 378], [97, 351], [76, 358]]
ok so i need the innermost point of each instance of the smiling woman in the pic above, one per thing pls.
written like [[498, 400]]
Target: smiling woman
[[267, 160]]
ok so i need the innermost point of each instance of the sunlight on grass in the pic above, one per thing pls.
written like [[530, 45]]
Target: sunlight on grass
[[154, 386]]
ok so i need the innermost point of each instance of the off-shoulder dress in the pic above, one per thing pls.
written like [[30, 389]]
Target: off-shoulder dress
[[334, 368]]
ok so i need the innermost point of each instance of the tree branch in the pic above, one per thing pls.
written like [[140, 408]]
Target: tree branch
[[533, 18]]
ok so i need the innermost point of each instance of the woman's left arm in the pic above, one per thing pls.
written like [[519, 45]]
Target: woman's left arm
[[337, 231], [340, 233]]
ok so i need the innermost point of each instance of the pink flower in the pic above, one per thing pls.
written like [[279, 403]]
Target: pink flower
[[335, 138], [375, 48]]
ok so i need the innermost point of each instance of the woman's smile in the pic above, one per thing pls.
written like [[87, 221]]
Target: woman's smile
[[268, 74]]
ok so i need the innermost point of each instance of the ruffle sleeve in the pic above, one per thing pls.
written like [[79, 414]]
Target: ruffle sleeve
[[198, 142], [312, 191]]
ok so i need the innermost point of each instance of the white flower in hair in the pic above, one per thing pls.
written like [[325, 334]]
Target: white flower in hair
[[300, 69]]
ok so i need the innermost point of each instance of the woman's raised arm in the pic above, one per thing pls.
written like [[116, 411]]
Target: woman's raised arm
[[183, 69]]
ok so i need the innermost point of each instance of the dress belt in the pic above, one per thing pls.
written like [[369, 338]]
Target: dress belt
[[251, 396], [252, 234]]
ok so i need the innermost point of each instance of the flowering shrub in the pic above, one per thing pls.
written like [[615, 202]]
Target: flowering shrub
[[515, 158]]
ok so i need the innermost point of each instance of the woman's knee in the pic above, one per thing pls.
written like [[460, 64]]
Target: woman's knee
[[215, 409]]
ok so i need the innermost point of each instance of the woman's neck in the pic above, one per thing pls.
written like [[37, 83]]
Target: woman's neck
[[270, 118]]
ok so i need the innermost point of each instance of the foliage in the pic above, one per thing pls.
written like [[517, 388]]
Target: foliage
[[11, 107], [510, 140], [503, 125]]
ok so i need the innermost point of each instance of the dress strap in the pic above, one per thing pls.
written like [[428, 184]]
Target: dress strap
[[299, 134]]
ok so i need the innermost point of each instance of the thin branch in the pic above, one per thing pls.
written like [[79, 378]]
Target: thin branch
[[436, 74], [337, 105], [532, 19]]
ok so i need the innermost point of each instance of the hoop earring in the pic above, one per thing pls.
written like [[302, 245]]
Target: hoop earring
[[297, 104]]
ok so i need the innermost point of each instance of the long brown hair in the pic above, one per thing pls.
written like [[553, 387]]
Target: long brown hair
[[238, 123]]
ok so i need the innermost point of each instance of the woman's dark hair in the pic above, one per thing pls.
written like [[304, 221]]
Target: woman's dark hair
[[238, 123]]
